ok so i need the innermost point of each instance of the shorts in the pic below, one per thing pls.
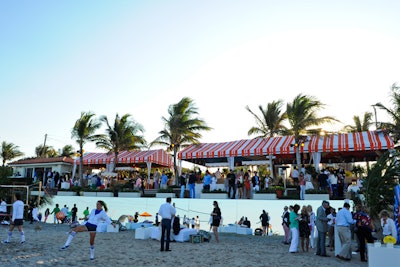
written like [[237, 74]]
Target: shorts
[[18, 222], [91, 227]]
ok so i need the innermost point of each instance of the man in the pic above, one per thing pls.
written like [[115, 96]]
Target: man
[[232, 184], [285, 225], [74, 211], [207, 181], [167, 213], [322, 178], [192, 184], [16, 220], [156, 176], [3, 209], [343, 221], [255, 180], [322, 227], [295, 175], [164, 180]]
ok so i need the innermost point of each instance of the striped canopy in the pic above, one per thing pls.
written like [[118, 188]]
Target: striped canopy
[[157, 157], [336, 145]]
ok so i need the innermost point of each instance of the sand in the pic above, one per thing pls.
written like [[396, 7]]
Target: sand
[[42, 248]]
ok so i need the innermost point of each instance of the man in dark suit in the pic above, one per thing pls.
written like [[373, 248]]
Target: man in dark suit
[[321, 221]]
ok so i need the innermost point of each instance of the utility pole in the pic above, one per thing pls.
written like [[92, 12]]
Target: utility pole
[[44, 145]]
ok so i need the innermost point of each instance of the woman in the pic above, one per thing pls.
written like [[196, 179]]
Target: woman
[[216, 219], [312, 225], [264, 217], [46, 214], [304, 229], [95, 217], [294, 229], [387, 223]]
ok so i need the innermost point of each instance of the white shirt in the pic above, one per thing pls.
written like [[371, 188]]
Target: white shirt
[[100, 217], [389, 228], [3, 207], [18, 210], [167, 211]]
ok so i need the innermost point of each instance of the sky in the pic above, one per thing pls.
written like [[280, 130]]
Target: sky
[[61, 58]]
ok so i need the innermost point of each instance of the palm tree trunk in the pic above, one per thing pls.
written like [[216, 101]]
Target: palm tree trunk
[[80, 167], [175, 168]]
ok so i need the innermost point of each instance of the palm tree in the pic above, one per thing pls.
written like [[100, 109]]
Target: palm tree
[[68, 151], [181, 128], [9, 151], [124, 134], [83, 132], [302, 114], [43, 151], [394, 126], [270, 122], [360, 125]]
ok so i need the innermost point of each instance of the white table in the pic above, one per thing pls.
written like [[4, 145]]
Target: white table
[[236, 229], [65, 185], [143, 232], [383, 256], [183, 236]]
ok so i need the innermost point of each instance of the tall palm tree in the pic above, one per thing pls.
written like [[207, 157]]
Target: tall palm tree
[[83, 132], [124, 134], [67, 151], [44, 151], [270, 122], [360, 125], [181, 128], [9, 151], [302, 114], [394, 112]]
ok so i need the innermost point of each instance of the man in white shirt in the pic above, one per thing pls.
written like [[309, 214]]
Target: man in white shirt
[[3, 210], [16, 220], [343, 221], [167, 212]]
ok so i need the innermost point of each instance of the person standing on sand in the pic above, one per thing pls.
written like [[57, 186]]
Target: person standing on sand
[[264, 217], [285, 225], [16, 220], [55, 211], [322, 227], [294, 229], [167, 213], [96, 216], [216, 219]]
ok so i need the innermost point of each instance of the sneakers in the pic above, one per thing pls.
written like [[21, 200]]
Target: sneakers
[[64, 248], [5, 242]]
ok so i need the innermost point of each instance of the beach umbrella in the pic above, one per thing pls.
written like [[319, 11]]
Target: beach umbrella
[[146, 214]]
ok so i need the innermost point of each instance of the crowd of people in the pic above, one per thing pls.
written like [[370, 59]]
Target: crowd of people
[[304, 228]]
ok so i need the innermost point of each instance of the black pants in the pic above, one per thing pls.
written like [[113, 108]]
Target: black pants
[[233, 188], [364, 233], [165, 228]]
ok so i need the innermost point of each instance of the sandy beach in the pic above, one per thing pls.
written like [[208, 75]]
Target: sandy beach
[[42, 248]]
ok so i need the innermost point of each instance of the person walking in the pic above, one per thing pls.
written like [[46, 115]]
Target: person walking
[[264, 217], [343, 221], [322, 227], [192, 184], [216, 219], [167, 213], [17, 219], [97, 215], [46, 214], [55, 211]]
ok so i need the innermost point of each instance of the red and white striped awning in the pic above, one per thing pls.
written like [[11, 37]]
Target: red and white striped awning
[[159, 157], [283, 145]]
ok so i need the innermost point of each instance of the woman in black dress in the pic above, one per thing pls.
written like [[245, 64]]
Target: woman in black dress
[[304, 229], [216, 219]]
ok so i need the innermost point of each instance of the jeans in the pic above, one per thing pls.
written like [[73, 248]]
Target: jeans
[[321, 250], [233, 187], [165, 228], [182, 191], [192, 190], [302, 191]]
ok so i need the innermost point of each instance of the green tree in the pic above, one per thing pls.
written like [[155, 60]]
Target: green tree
[[124, 134], [360, 125], [181, 128], [394, 126], [302, 115], [380, 181], [68, 151], [84, 132], [45, 151], [9, 151], [270, 123]]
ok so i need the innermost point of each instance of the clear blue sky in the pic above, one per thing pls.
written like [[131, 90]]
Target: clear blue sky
[[59, 58]]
